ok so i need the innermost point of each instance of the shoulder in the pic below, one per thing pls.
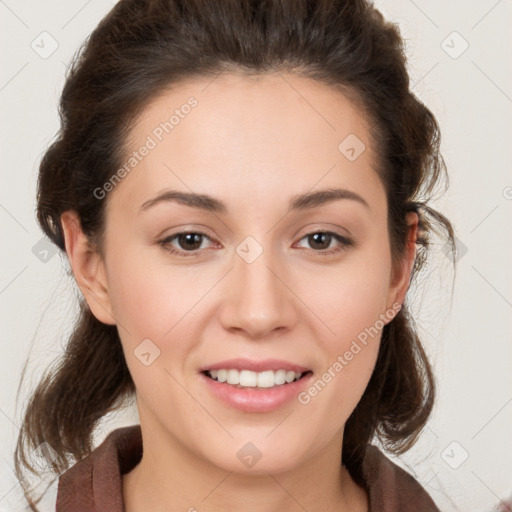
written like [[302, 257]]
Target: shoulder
[[95, 480], [391, 488]]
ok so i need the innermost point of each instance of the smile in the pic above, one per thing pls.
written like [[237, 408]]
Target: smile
[[250, 379]]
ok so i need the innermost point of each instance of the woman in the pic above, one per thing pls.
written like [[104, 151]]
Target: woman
[[242, 191]]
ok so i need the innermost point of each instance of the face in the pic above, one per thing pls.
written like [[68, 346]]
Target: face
[[192, 287]]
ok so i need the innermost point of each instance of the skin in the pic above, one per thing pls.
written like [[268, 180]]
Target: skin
[[253, 143]]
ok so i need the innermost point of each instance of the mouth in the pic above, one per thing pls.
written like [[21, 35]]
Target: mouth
[[255, 386], [247, 379]]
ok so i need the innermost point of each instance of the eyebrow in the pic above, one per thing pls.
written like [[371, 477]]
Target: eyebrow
[[208, 203]]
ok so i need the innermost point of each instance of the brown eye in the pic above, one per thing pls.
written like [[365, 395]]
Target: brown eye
[[189, 242], [319, 241]]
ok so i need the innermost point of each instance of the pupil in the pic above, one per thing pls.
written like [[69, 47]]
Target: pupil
[[193, 238], [317, 235]]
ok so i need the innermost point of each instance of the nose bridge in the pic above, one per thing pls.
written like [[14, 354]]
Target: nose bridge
[[257, 300]]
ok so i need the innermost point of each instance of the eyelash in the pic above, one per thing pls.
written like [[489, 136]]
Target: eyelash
[[345, 244]]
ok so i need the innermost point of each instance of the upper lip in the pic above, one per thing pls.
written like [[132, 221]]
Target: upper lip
[[255, 366]]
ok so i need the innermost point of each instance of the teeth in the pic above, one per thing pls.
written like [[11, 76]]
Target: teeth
[[247, 378]]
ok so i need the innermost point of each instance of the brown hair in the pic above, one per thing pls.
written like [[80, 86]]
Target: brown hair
[[140, 49]]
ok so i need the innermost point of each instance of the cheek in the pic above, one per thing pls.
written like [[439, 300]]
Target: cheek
[[351, 304], [165, 303], [349, 355], [349, 297], [153, 309], [149, 298]]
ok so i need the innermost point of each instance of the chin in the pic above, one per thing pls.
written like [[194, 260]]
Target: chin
[[248, 457]]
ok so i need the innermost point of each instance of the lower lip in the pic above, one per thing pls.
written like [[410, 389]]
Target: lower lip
[[256, 399]]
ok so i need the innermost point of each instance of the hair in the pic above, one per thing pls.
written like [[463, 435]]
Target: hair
[[140, 49]]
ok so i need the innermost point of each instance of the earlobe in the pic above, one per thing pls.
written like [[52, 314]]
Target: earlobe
[[402, 276], [88, 268]]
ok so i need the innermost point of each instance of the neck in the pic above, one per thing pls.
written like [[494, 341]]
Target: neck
[[171, 477]]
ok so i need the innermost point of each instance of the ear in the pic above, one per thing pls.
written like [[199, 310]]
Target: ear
[[88, 268], [401, 276]]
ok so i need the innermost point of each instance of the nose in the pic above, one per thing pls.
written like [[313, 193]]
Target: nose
[[258, 299]]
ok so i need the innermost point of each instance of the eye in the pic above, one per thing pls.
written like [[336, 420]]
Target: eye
[[187, 239], [322, 240], [190, 242]]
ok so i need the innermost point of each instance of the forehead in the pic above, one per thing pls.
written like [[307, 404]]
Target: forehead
[[234, 135]]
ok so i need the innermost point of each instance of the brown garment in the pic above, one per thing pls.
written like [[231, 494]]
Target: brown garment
[[94, 484]]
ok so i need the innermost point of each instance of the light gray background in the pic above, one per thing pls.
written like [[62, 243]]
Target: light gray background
[[469, 339]]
